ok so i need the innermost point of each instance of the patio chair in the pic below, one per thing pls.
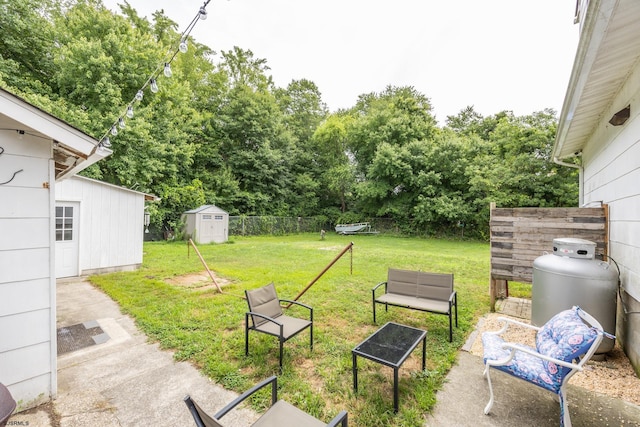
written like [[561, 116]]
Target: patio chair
[[563, 345], [279, 414], [267, 317]]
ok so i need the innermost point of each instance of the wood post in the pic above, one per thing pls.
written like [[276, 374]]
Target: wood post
[[347, 248], [213, 279]]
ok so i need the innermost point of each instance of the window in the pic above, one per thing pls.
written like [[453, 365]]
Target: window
[[206, 216], [218, 218], [64, 223]]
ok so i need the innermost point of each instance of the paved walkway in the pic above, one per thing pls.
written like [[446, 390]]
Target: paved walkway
[[124, 382], [518, 403], [516, 307]]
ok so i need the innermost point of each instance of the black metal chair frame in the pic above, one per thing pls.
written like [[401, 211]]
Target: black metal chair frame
[[281, 338], [340, 419]]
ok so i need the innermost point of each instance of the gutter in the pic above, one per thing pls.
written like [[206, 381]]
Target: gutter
[[557, 161]]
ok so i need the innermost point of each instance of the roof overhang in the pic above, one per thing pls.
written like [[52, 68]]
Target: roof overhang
[[73, 150], [608, 50], [147, 197]]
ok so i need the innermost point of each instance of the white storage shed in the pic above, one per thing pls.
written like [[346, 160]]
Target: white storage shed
[[207, 224], [99, 227]]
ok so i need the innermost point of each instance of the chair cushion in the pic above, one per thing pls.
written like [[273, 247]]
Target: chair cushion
[[418, 303], [523, 365], [565, 337], [284, 414], [265, 301], [292, 326]]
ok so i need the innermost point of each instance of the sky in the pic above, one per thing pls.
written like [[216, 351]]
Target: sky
[[493, 55]]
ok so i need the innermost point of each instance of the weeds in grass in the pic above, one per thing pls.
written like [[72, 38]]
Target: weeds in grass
[[206, 328]]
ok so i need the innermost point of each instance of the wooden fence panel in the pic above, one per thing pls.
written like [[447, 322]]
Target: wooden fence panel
[[520, 235]]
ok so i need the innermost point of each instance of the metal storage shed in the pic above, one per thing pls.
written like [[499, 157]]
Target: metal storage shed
[[207, 224]]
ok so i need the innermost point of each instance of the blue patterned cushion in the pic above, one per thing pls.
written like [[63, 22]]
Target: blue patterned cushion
[[522, 365], [565, 337]]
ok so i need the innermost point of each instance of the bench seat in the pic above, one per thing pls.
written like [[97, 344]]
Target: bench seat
[[414, 302], [418, 290]]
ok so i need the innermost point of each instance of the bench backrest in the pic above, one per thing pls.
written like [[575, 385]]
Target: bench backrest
[[420, 284]]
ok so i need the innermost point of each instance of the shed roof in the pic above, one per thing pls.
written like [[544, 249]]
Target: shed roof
[[147, 196], [608, 50], [208, 208]]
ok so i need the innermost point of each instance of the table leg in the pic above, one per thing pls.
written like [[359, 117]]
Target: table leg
[[424, 352], [395, 390], [355, 373]]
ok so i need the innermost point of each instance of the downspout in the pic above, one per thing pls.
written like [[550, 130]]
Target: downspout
[[580, 176]]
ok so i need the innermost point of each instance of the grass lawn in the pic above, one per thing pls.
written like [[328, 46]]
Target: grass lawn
[[206, 327]]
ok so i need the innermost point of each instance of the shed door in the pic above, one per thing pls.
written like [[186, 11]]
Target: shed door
[[219, 229], [67, 239], [212, 228]]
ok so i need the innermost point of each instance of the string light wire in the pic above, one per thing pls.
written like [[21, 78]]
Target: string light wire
[[163, 67]]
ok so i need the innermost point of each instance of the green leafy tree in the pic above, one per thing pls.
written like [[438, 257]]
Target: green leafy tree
[[251, 138], [516, 169], [177, 200], [334, 162], [396, 116], [27, 44]]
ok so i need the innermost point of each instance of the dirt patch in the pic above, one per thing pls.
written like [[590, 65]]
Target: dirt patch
[[614, 376], [199, 281]]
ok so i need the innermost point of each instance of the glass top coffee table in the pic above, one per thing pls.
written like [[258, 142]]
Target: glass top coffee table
[[390, 345]]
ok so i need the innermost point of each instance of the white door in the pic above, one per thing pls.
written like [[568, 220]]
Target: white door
[[218, 231], [67, 239]]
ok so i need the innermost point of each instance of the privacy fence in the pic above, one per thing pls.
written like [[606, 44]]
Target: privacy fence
[[520, 235]]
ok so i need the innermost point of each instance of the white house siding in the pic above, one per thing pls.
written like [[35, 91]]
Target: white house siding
[[111, 229], [27, 287], [612, 175]]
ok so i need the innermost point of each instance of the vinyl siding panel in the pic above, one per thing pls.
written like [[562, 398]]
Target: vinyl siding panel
[[21, 297], [24, 264], [19, 202], [22, 364], [13, 233], [37, 322], [27, 288], [611, 175]]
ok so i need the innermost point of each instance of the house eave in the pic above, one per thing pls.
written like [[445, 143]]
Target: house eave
[[73, 150], [608, 51]]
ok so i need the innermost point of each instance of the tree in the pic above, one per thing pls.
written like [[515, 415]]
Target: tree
[[245, 70], [516, 169], [251, 139], [303, 109], [334, 162], [396, 116], [177, 200], [27, 44]]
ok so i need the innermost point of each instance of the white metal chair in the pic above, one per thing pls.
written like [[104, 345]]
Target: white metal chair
[[563, 345]]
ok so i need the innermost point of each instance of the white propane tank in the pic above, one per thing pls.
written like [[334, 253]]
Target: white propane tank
[[572, 276]]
